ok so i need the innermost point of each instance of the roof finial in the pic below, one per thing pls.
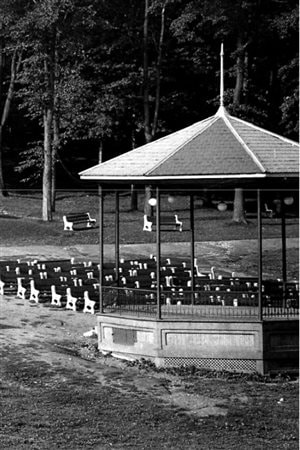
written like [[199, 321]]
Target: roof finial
[[222, 76], [221, 111]]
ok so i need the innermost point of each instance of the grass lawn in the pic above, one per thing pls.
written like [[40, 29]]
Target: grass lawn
[[21, 223]]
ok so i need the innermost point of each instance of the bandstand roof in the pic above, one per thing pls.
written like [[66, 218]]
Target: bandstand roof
[[221, 147]]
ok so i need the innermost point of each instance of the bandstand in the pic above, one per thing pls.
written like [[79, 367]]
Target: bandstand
[[244, 324]]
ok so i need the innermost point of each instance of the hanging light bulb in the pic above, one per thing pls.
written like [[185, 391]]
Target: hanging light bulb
[[222, 206], [152, 201], [171, 199], [288, 201]]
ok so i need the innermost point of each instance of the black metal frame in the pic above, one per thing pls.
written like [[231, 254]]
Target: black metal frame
[[260, 308]]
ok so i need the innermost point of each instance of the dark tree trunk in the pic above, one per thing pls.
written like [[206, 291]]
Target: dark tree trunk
[[147, 128], [100, 152], [49, 74], [3, 190], [133, 198], [151, 130], [2, 186], [158, 70], [148, 209], [238, 207], [133, 191], [56, 125], [47, 178], [54, 158], [7, 105], [239, 82]]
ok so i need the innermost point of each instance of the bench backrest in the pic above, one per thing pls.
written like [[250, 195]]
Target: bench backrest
[[77, 216]]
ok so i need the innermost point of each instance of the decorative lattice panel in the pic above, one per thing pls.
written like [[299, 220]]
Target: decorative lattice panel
[[230, 365]]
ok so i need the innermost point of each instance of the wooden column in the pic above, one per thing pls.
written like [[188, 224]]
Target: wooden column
[[101, 248], [259, 241], [117, 236], [158, 314], [192, 246]]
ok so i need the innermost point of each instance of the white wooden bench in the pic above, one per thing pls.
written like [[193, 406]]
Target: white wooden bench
[[167, 223], [269, 212], [78, 219]]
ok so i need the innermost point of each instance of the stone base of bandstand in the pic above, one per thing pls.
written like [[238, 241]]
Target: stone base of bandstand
[[248, 346]]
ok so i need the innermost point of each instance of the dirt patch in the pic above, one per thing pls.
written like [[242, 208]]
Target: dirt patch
[[57, 391]]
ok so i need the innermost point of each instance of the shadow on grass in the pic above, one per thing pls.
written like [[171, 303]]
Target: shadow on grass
[[78, 195], [33, 196], [8, 216], [83, 229]]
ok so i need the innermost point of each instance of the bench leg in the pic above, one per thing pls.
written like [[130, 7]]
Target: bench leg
[[71, 301], [2, 287], [67, 225], [56, 298], [21, 290], [56, 301], [34, 293], [147, 225], [89, 305]]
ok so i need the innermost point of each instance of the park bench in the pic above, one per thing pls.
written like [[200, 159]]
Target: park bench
[[269, 212], [84, 219], [167, 223], [77, 296], [9, 283]]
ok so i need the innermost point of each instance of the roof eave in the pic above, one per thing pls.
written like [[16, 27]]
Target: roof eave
[[149, 179]]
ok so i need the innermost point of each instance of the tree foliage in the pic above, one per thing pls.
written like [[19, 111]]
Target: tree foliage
[[90, 72]]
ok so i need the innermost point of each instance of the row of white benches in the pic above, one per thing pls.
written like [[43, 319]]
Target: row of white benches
[[76, 285], [169, 222], [83, 220]]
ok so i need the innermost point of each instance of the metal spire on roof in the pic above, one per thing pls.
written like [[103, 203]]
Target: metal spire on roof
[[221, 111], [222, 76]]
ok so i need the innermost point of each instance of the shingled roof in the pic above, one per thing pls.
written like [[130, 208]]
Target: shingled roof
[[219, 147]]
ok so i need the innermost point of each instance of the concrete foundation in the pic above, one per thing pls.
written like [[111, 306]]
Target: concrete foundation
[[241, 346]]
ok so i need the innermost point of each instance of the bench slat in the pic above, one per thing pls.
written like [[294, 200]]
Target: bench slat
[[165, 221], [77, 218]]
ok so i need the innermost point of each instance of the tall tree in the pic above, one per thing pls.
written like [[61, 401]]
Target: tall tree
[[253, 33], [99, 94], [52, 38], [150, 127], [10, 63]]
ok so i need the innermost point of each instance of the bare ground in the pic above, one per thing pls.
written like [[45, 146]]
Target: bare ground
[[57, 391]]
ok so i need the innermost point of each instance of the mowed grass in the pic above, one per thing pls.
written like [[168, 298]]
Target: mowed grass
[[21, 221]]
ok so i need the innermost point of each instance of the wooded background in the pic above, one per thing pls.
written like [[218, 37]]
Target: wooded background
[[85, 80]]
